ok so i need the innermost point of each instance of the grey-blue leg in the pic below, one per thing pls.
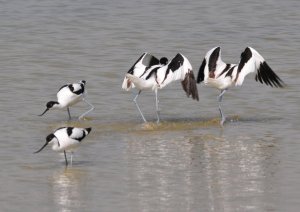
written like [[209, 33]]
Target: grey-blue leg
[[66, 158], [71, 158], [90, 110], [157, 108], [69, 113], [135, 101], [220, 97]]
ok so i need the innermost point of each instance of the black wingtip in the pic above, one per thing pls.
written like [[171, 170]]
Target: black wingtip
[[88, 129], [189, 86], [266, 75]]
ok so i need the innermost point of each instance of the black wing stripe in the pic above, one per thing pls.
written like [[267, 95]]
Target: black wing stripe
[[200, 76], [225, 69], [150, 60], [82, 137], [80, 91], [229, 73], [259, 76], [175, 64], [63, 87], [69, 131], [245, 56], [212, 63], [154, 71], [132, 68]]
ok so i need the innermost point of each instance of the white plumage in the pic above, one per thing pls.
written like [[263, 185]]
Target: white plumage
[[216, 73], [149, 73], [66, 139], [67, 96]]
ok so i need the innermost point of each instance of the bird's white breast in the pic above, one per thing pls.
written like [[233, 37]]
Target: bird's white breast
[[65, 142], [66, 98]]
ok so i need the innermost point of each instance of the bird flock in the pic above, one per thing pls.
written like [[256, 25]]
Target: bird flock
[[150, 73]]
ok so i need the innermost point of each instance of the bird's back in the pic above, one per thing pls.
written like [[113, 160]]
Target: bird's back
[[70, 94], [70, 137]]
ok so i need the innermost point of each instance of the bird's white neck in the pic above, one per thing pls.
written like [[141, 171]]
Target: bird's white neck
[[58, 106], [55, 145]]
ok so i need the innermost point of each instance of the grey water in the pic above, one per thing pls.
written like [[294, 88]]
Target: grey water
[[188, 162]]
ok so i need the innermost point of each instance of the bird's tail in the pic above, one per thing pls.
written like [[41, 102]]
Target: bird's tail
[[88, 130], [127, 84], [139, 82], [189, 85]]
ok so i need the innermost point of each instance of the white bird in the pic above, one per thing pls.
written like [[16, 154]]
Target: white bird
[[215, 73], [149, 73], [66, 139], [67, 96]]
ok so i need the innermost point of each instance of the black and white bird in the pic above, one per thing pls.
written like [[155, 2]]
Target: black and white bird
[[218, 74], [149, 73], [66, 139], [67, 96]]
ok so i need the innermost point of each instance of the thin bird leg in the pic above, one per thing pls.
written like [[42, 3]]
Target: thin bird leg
[[135, 101], [69, 113], [220, 97], [71, 158], [66, 158], [90, 110], [157, 108]]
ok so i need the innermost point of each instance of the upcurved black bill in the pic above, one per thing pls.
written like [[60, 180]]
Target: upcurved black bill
[[44, 112], [42, 147]]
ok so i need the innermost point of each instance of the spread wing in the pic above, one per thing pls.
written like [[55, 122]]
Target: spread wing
[[251, 61], [139, 68], [179, 68], [211, 65]]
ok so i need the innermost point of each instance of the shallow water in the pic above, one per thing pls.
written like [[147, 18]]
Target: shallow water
[[186, 163]]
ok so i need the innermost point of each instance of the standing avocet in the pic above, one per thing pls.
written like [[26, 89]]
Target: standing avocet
[[215, 73], [67, 96], [66, 139], [149, 73]]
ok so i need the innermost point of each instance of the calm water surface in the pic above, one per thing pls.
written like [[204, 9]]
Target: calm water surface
[[188, 163]]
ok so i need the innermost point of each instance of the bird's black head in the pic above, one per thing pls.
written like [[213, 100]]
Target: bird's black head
[[83, 82], [48, 139], [163, 61], [51, 104]]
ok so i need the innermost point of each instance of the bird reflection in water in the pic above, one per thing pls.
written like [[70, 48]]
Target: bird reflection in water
[[216, 173], [234, 172], [66, 189]]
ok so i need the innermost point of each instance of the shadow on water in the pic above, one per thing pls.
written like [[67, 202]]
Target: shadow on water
[[168, 124]]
